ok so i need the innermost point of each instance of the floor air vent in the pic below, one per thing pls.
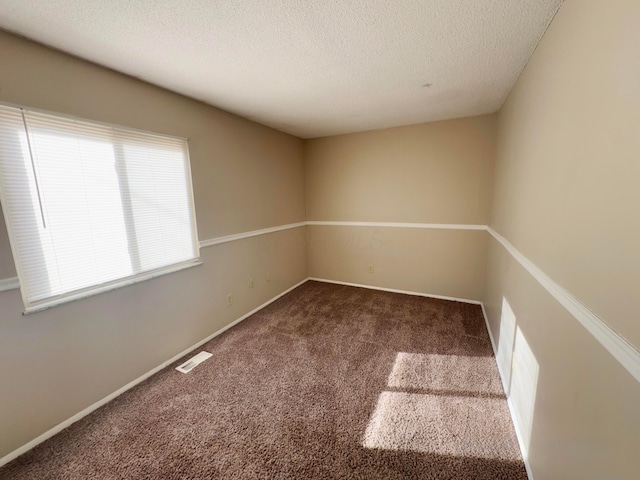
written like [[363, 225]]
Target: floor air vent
[[193, 362]]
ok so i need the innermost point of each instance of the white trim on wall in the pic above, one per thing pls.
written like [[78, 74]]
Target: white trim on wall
[[432, 226], [253, 233], [616, 345], [9, 284], [13, 283], [625, 353], [78, 416]]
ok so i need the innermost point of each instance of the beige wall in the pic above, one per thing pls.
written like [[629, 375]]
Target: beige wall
[[430, 173], [567, 184], [437, 172], [565, 172], [437, 262], [566, 196], [246, 177]]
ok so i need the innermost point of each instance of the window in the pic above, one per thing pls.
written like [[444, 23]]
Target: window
[[90, 207]]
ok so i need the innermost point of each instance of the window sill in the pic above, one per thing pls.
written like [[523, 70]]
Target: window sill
[[105, 287]]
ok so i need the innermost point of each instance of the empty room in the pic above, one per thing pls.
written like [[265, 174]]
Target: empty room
[[320, 239]]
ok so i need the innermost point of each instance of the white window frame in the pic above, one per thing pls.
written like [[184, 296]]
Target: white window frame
[[52, 301]]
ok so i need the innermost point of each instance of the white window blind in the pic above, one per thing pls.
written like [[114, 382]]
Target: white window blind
[[90, 207]]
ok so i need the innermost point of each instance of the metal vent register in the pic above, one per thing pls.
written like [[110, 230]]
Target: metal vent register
[[193, 362]]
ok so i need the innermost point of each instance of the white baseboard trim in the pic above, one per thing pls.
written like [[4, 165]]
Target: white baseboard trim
[[493, 343], [395, 290], [527, 466], [78, 416], [9, 284], [625, 353]]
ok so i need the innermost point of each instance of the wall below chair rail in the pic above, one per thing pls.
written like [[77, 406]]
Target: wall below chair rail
[[435, 261]]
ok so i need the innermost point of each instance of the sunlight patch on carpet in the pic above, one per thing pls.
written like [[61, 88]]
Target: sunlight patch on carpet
[[445, 425], [451, 405], [451, 373]]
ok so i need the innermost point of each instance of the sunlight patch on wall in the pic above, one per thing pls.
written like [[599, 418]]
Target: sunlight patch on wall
[[524, 383], [505, 342]]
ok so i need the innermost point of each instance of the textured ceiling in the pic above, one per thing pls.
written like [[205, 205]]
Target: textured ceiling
[[307, 67]]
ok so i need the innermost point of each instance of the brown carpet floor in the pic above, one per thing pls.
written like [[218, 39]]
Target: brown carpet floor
[[329, 382]]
